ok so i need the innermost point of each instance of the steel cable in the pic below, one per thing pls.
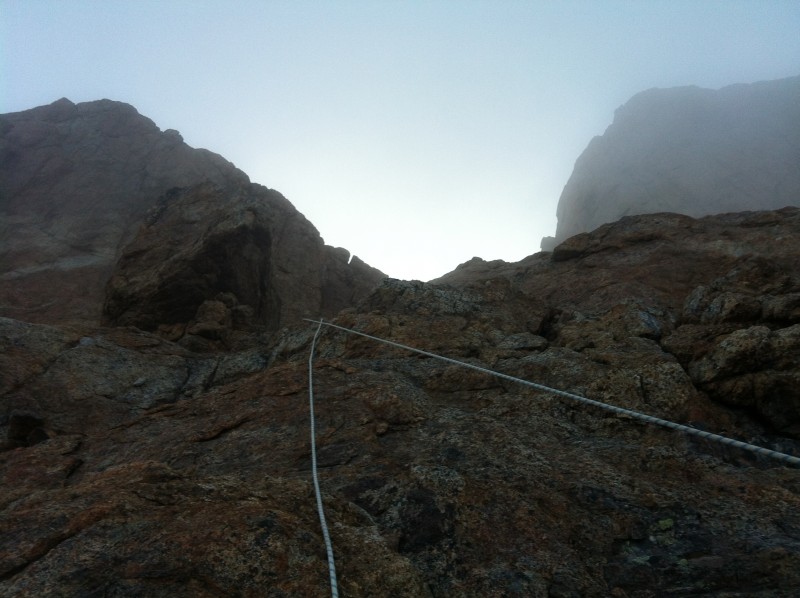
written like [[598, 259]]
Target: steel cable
[[789, 459], [326, 536]]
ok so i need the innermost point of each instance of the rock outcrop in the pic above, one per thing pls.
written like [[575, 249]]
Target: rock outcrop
[[210, 261], [75, 182], [135, 465], [83, 185], [691, 151]]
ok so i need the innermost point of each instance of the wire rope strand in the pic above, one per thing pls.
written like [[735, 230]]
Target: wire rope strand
[[790, 459], [325, 535]]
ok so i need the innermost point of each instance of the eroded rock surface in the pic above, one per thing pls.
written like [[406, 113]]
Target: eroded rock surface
[[692, 151], [75, 181], [95, 189], [210, 262], [135, 465]]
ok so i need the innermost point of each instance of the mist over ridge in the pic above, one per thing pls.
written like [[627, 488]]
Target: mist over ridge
[[692, 151]]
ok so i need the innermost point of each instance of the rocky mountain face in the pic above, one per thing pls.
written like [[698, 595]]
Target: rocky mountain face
[[211, 265], [691, 151], [95, 191], [147, 457]]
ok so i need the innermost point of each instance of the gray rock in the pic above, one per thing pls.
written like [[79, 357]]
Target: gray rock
[[523, 341], [692, 151], [755, 368]]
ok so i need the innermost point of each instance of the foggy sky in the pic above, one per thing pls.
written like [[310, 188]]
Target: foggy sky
[[415, 134]]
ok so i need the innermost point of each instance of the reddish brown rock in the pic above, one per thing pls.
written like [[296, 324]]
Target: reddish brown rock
[[168, 472]]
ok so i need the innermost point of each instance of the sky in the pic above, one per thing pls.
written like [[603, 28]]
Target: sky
[[416, 134]]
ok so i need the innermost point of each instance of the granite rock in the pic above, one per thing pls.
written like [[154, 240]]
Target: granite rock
[[174, 470]]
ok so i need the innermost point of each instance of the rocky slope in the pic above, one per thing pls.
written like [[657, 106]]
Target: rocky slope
[[137, 465], [691, 151], [79, 182]]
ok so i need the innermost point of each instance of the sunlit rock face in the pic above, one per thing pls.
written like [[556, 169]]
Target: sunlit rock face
[[692, 151]]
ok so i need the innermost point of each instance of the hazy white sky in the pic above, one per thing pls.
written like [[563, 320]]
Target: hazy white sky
[[415, 134]]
